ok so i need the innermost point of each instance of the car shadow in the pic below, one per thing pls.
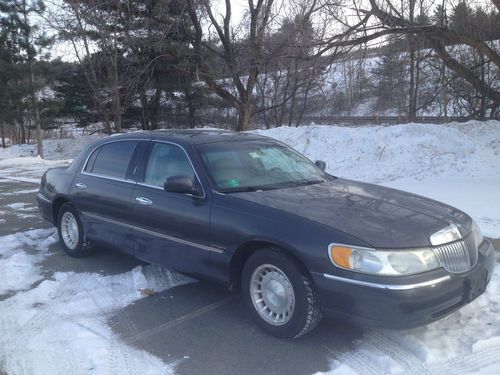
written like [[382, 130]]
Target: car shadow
[[104, 261]]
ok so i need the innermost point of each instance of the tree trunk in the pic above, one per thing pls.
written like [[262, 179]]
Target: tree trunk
[[304, 105], [494, 108], [244, 116], [2, 131], [116, 98], [155, 108], [482, 106], [144, 109], [117, 111], [34, 99], [191, 109], [105, 117], [412, 107], [22, 133]]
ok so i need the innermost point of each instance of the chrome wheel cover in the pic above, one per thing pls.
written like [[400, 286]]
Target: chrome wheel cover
[[69, 230], [272, 294]]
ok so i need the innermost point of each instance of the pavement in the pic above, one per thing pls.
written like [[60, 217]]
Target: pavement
[[200, 326]]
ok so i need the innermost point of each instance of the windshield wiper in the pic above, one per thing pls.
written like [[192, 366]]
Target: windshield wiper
[[279, 185], [242, 189], [304, 182]]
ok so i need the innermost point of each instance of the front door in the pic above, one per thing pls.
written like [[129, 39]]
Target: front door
[[171, 229]]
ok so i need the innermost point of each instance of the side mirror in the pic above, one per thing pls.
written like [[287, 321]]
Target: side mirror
[[320, 164], [180, 184]]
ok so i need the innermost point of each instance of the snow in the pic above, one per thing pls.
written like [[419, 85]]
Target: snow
[[26, 169], [60, 325], [18, 270], [54, 149]]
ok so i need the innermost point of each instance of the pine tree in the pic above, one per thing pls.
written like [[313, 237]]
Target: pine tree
[[26, 42]]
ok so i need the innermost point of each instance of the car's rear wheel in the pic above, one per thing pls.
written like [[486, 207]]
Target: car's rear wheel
[[280, 294], [71, 233]]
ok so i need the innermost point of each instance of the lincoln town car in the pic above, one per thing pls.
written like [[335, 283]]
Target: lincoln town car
[[251, 213]]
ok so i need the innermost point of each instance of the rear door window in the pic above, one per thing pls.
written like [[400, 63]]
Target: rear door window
[[112, 159]]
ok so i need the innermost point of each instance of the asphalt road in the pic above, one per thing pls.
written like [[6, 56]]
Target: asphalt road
[[201, 325]]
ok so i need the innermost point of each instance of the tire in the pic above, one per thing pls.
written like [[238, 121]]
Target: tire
[[71, 235], [270, 275]]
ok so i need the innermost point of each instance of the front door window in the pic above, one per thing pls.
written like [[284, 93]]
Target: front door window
[[166, 160]]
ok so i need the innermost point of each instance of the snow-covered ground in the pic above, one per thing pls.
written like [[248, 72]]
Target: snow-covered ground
[[57, 323]]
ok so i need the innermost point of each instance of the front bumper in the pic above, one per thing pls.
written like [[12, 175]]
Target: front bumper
[[411, 302]]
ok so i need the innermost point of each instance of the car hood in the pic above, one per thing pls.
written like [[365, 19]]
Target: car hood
[[380, 216]]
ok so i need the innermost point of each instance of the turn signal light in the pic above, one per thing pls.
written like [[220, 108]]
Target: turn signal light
[[341, 256]]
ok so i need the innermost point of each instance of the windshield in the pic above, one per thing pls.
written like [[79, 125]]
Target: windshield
[[246, 166]]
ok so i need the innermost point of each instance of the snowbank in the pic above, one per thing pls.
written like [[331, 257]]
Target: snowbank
[[385, 153], [27, 169], [18, 270], [54, 149]]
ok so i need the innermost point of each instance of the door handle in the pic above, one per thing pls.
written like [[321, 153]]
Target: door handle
[[144, 201], [80, 185]]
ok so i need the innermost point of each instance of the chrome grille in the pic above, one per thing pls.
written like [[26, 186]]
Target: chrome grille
[[459, 256]]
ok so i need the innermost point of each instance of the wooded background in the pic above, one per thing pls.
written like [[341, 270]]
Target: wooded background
[[108, 65]]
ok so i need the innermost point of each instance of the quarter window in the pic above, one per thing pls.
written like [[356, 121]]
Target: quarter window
[[166, 160], [112, 159]]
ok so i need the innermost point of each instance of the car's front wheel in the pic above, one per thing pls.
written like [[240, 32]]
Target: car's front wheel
[[280, 294], [71, 233]]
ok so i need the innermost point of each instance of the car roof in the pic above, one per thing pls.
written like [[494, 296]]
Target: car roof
[[193, 136]]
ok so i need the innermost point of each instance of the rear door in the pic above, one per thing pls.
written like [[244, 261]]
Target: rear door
[[101, 192], [171, 228]]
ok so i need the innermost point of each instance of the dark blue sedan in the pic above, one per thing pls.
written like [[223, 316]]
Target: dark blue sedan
[[251, 213]]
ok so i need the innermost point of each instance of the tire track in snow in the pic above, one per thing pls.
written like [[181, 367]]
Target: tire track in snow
[[397, 352], [106, 303], [380, 345], [21, 334], [8, 325], [470, 362], [357, 361], [48, 313]]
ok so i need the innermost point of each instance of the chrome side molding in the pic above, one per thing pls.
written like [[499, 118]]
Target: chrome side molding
[[153, 233]]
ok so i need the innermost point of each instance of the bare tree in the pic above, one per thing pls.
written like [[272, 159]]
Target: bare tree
[[439, 37], [239, 47], [67, 18]]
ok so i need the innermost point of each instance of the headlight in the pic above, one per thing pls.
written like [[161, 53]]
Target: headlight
[[386, 263], [476, 232], [445, 235]]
